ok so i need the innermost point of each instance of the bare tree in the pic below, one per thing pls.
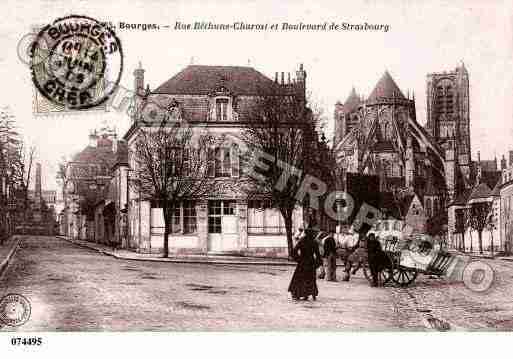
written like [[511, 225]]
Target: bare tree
[[478, 214], [62, 175], [282, 128], [170, 167], [15, 163]]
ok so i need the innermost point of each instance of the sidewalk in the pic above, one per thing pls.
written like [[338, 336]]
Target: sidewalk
[[7, 251], [474, 255], [208, 259], [217, 259]]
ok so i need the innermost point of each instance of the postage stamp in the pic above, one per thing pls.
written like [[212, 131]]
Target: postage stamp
[[76, 62]]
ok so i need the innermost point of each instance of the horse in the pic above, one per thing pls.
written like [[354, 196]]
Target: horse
[[353, 254]]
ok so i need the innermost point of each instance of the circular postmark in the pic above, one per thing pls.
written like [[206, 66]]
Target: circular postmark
[[76, 62], [478, 276], [15, 310]]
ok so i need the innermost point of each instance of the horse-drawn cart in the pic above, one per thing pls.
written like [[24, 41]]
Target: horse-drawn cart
[[403, 259]]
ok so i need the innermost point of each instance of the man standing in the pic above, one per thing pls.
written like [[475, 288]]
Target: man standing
[[373, 254], [330, 258], [319, 239]]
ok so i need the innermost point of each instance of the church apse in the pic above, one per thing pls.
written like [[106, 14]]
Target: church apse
[[380, 136]]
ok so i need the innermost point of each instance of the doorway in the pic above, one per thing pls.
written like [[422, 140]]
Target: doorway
[[223, 226]]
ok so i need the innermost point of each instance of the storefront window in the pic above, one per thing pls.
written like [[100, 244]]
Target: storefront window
[[189, 217], [175, 220], [183, 219], [263, 219], [214, 216]]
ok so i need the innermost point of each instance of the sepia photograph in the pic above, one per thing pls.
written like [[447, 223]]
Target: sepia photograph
[[308, 169]]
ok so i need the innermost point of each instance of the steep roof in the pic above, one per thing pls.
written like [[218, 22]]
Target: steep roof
[[406, 203], [201, 80], [386, 87], [480, 191], [497, 189], [491, 178], [352, 102], [92, 154]]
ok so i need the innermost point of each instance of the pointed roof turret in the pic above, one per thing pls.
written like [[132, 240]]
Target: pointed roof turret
[[352, 102], [463, 68], [386, 87]]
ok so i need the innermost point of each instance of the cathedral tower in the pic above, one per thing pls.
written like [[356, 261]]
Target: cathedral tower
[[448, 118]]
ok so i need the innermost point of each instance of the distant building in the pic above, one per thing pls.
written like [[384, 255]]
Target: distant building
[[87, 174], [39, 216], [486, 189], [506, 205]]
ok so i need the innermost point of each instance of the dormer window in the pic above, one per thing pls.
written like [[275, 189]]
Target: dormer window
[[222, 109]]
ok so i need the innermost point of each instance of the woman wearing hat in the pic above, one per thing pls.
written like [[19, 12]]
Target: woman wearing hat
[[306, 253]]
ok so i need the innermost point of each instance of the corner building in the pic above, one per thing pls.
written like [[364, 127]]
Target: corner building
[[231, 219]]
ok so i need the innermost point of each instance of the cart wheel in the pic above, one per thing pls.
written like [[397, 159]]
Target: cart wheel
[[384, 275], [403, 277]]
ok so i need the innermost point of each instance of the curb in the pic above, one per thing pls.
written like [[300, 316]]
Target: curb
[[5, 262], [177, 260], [478, 256]]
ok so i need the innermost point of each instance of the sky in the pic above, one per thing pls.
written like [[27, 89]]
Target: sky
[[423, 37]]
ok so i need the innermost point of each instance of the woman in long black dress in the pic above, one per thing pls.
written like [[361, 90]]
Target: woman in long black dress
[[306, 253]]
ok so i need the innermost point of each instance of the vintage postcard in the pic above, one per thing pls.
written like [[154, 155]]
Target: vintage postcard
[[221, 166]]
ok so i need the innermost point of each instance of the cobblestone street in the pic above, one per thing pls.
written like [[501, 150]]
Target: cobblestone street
[[73, 288]]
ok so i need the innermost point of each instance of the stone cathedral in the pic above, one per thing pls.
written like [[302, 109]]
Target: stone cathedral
[[380, 135]]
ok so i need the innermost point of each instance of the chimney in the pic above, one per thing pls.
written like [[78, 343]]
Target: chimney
[[282, 78], [276, 77], [478, 157], [503, 163], [288, 80], [510, 158]]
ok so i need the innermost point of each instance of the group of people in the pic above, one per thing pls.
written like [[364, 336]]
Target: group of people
[[317, 251]]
